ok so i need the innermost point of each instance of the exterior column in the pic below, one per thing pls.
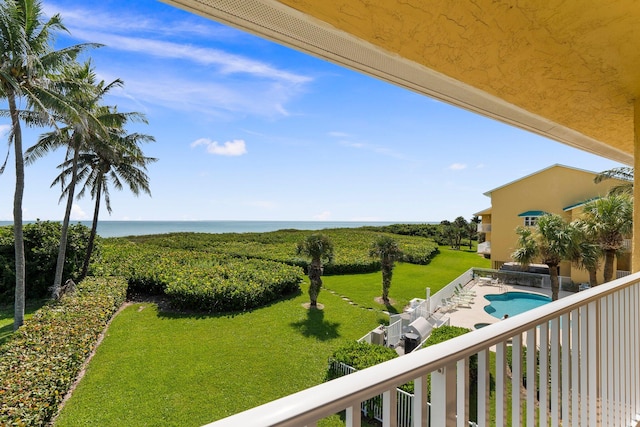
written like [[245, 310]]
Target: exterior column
[[635, 241]]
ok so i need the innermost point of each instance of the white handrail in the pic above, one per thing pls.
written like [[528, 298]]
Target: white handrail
[[308, 406]]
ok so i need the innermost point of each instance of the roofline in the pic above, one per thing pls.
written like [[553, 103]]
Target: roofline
[[488, 193]]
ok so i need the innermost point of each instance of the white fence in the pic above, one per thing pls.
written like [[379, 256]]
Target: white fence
[[394, 333], [373, 408]]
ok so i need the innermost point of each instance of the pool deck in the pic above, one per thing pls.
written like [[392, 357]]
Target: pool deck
[[469, 316]]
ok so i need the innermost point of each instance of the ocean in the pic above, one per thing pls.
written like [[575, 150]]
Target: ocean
[[137, 228]]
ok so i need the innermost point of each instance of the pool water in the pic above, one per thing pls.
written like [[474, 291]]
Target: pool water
[[513, 303]]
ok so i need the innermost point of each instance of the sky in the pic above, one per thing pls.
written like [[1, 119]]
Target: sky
[[246, 129]]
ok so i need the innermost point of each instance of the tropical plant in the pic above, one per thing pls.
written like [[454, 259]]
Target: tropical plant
[[98, 122], [120, 162], [588, 252], [318, 247], [609, 220], [552, 241], [624, 174], [31, 72], [386, 249]]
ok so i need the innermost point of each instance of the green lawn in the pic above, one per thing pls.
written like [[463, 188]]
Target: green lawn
[[155, 368], [182, 370], [409, 280]]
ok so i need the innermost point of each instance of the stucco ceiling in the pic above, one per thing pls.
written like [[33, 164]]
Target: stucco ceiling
[[568, 70]]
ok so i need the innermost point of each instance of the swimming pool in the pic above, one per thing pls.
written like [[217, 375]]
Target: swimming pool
[[513, 303]]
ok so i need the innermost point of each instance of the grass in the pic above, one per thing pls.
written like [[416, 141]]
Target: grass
[[6, 317], [155, 368], [409, 280]]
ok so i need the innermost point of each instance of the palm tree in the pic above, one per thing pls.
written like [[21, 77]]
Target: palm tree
[[124, 164], [29, 71], [587, 253], [624, 173], [610, 221], [318, 247], [90, 127], [552, 241], [385, 248]]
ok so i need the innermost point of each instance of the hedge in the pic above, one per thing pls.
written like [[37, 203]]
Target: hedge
[[41, 360], [351, 247], [200, 280], [42, 240]]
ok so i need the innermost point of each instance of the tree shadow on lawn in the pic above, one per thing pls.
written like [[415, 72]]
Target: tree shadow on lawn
[[315, 326]]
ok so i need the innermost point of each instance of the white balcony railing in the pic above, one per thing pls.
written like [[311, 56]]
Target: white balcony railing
[[484, 248], [484, 227], [585, 372]]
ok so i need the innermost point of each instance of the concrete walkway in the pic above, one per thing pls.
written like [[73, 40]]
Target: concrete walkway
[[469, 316]]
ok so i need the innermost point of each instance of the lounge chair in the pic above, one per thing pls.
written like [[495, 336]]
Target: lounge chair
[[465, 291], [461, 302], [462, 297], [448, 304]]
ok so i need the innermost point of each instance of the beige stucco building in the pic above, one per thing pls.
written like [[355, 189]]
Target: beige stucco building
[[557, 189]]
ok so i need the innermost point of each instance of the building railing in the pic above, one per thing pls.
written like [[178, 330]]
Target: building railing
[[571, 362], [484, 228], [484, 248]]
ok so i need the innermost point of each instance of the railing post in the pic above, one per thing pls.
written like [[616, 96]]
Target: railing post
[[443, 397]]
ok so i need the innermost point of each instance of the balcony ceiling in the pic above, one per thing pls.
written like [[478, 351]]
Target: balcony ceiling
[[568, 70]]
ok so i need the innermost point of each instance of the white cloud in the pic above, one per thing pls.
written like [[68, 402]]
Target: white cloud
[[77, 213], [237, 147], [323, 216], [457, 166]]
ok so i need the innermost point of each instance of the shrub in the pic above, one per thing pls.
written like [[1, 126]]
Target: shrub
[[40, 361], [41, 240], [199, 280], [361, 355]]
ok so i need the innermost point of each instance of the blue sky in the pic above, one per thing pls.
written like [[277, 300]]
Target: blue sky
[[250, 130]]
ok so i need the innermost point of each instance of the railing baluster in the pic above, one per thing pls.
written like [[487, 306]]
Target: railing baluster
[[501, 395], [555, 371], [462, 393], [516, 379], [483, 388], [592, 355], [443, 396], [569, 369], [419, 409], [353, 415], [635, 330], [610, 360], [544, 375], [584, 367], [390, 408], [532, 366], [616, 360], [573, 371], [627, 361], [604, 370]]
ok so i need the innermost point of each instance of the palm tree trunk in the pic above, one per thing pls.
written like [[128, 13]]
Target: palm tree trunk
[[593, 278], [92, 235], [20, 294], [555, 284], [609, 256], [62, 251]]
